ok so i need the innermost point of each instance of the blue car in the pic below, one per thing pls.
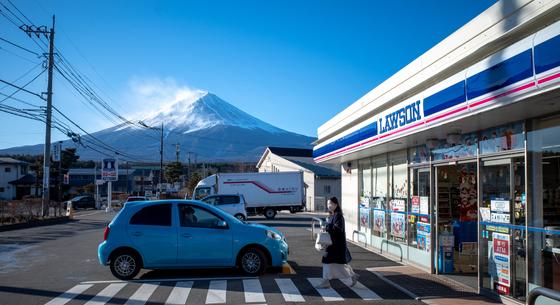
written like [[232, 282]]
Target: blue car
[[176, 234]]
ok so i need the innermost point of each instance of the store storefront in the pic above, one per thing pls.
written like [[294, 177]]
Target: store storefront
[[463, 178]]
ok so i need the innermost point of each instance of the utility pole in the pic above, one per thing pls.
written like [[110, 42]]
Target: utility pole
[[30, 29], [177, 151], [161, 161]]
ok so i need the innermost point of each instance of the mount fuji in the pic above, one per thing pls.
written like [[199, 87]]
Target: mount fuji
[[201, 123]]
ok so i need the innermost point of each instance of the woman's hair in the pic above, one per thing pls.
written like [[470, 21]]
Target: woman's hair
[[338, 208]]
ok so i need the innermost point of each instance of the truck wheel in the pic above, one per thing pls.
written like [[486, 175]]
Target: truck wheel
[[240, 217], [293, 210], [269, 213]]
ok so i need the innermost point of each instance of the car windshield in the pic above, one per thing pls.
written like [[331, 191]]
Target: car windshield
[[201, 192], [136, 199]]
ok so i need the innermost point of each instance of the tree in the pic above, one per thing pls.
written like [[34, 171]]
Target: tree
[[173, 172], [193, 181]]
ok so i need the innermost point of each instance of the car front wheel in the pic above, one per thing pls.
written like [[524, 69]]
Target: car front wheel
[[252, 262], [125, 265]]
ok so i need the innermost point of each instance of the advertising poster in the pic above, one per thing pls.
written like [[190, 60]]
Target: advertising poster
[[500, 218], [415, 204], [425, 205], [379, 221], [398, 225], [398, 205], [500, 247], [499, 205], [423, 239], [364, 217], [484, 214]]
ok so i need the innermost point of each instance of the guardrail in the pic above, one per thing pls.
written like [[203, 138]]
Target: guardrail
[[545, 292], [314, 221], [362, 234]]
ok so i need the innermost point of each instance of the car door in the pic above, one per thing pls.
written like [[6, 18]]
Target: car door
[[154, 235], [229, 203], [202, 242]]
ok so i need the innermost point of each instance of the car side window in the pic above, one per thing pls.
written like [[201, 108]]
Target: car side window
[[153, 215], [195, 217], [211, 200], [229, 200]]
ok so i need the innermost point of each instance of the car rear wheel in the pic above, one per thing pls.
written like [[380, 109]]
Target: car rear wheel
[[240, 217], [125, 265], [269, 213], [252, 262]]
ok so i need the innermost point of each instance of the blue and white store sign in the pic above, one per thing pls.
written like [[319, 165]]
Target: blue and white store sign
[[530, 64]]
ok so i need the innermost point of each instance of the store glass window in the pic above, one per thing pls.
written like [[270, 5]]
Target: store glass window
[[419, 154], [543, 217], [455, 146], [379, 195], [365, 185], [419, 209], [398, 200], [502, 138]]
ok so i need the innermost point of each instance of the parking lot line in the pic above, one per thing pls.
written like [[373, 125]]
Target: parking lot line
[[141, 296], [179, 294], [289, 290], [216, 292], [328, 294], [106, 294], [253, 291], [69, 295]]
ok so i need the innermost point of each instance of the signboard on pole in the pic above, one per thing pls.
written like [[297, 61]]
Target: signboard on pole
[[66, 179], [56, 152], [110, 169]]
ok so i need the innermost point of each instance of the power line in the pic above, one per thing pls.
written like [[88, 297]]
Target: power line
[[23, 89], [23, 75], [20, 12], [20, 47]]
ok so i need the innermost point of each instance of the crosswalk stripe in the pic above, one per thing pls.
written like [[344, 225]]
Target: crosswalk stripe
[[328, 294], [253, 291], [141, 296], [216, 292], [179, 294], [289, 290], [106, 294], [363, 291], [69, 295]]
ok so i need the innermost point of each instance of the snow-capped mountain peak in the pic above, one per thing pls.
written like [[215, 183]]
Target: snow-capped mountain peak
[[201, 110]]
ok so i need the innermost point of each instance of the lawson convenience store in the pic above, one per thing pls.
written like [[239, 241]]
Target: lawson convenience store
[[453, 164]]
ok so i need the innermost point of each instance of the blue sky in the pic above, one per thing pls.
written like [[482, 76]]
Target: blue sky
[[293, 64]]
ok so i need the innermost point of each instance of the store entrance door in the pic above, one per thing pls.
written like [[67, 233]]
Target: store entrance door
[[457, 216], [503, 235]]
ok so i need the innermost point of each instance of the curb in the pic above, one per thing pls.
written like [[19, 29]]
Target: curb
[[35, 223]]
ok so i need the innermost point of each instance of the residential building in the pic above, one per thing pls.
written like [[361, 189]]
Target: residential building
[[321, 181], [11, 170]]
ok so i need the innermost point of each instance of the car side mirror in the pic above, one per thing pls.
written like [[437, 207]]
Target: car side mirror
[[222, 224]]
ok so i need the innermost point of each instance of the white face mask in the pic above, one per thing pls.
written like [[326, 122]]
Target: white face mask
[[331, 206]]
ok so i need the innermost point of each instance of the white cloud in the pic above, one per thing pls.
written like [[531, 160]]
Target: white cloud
[[144, 96]]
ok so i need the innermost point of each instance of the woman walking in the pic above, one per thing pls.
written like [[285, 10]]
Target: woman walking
[[337, 257]]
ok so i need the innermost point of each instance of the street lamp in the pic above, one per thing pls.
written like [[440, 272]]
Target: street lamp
[[141, 123]]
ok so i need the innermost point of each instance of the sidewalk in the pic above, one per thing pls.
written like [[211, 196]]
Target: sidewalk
[[431, 289]]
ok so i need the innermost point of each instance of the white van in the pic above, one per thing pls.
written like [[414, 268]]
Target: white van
[[231, 204]]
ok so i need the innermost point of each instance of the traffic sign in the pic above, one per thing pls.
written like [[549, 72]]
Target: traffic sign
[[110, 170]]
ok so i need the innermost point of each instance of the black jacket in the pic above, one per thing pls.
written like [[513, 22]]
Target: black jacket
[[337, 253]]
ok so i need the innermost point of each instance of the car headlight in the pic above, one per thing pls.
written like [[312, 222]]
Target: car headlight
[[273, 235]]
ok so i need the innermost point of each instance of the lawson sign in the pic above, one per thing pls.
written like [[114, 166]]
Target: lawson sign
[[401, 117]]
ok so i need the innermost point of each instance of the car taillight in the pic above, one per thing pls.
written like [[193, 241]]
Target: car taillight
[[106, 233]]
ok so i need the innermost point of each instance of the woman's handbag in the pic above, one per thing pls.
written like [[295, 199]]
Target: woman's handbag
[[323, 239]]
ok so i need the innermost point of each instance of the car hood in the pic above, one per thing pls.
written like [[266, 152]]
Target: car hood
[[254, 225]]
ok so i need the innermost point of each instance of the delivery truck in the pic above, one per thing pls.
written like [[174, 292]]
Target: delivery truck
[[265, 193]]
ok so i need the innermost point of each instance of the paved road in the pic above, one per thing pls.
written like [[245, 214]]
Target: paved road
[[58, 265]]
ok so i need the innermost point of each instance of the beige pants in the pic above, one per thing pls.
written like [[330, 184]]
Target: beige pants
[[337, 271]]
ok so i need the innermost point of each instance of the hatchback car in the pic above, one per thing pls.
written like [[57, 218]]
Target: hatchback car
[[176, 234], [81, 202], [232, 204]]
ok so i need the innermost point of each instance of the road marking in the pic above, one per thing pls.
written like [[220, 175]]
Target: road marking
[[179, 294], [141, 296], [216, 292], [106, 294], [69, 295], [173, 280], [328, 294], [363, 292], [289, 290], [253, 291], [93, 213]]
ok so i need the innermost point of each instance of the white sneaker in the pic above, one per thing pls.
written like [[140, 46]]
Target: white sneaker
[[355, 278], [324, 285]]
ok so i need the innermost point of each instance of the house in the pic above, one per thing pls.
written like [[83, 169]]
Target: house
[[11, 170], [321, 181], [80, 177]]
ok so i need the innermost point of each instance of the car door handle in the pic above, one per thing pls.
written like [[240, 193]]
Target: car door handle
[[186, 235], [137, 234]]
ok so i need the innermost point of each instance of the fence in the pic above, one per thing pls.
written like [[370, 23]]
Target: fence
[[18, 211]]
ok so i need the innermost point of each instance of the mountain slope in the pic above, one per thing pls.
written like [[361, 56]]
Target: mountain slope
[[204, 124]]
